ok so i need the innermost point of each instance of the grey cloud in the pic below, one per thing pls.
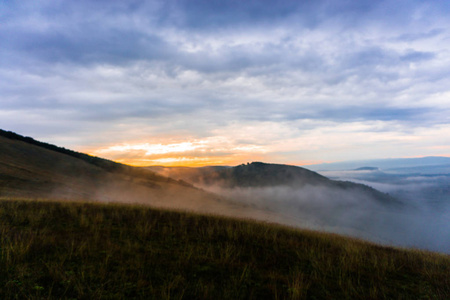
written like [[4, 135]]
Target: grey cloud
[[415, 56], [409, 117], [136, 108], [260, 111], [212, 14], [89, 46], [97, 39], [100, 41], [410, 37], [322, 62], [220, 15], [364, 61], [374, 113]]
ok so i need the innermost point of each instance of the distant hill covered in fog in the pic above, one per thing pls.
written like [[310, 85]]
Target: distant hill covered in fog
[[385, 164]]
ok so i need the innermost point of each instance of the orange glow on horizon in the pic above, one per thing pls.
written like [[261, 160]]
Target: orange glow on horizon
[[187, 153], [188, 161], [214, 151], [233, 160], [192, 161], [176, 163]]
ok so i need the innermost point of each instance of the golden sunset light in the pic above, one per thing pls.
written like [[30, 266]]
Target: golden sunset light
[[195, 153], [152, 149]]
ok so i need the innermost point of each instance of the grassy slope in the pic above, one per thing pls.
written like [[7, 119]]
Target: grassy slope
[[30, 170], [27, 165], [91, 251], [101, 163]]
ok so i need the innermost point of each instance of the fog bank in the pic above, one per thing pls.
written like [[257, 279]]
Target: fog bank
[[351, 213]]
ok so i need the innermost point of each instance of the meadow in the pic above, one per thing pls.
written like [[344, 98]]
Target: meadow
[[83, 250]]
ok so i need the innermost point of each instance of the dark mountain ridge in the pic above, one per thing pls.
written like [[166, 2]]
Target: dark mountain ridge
[[265, 175], [258, 174]]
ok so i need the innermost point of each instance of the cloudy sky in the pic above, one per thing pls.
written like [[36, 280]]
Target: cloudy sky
[[226, 82]]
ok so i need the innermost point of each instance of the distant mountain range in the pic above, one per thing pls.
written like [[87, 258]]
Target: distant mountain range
[[386, 164], [367, 169]]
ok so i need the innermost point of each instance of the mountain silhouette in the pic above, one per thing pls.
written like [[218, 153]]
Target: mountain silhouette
[[259, 175]]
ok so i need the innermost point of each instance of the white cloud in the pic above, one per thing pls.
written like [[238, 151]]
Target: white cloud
[[328, 76]]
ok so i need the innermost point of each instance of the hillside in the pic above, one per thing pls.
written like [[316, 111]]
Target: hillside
[[32, 169], [85, 251], [101, 163], [254, 174], [196, 176], [263, 175], [306, 199], [276, 193]]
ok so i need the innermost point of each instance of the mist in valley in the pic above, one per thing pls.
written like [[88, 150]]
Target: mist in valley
[[413, 211], [415, 220], [424, 220], [349, 213]]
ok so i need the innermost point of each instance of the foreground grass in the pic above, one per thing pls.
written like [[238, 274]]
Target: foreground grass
[[92, 251]]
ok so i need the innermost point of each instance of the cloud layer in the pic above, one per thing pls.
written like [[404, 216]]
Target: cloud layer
[[285, 81]]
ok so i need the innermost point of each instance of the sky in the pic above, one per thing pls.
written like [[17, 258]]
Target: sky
[[228, 82]]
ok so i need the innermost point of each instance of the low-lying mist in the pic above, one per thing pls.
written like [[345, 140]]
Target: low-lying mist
[[349, 212], [416, 215], [424, 221]]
